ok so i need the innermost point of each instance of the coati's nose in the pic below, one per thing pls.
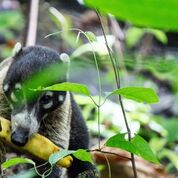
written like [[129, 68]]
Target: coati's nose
[[20, 137]]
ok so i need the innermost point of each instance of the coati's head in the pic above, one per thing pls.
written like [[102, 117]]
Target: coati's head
[[31, 68]]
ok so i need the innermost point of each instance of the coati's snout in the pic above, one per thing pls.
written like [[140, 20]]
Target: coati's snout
[[23, 124], [20, 136]]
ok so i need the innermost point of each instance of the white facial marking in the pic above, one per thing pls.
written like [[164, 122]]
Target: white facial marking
[[18, 86], [61, 98], [25, 119], [13, 97], [48, 105], [49, 93], [6, 87]]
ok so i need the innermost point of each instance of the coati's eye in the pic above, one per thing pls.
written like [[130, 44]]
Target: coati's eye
[[45, 99]]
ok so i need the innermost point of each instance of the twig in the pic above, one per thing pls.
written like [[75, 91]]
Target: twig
[[117, 78], [109, 167], [33, 22], [108, 152]]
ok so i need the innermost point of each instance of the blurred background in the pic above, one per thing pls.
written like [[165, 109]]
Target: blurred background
[[146, 57]]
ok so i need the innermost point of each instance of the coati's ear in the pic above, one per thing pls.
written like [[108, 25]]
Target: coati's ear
[[65, 58], [17, 49]]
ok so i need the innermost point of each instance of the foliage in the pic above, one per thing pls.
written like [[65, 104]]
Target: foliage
[[79, 154], [146, 13], [137, 145], [14, 161], [134, 35], [138, 94], [9, 20]]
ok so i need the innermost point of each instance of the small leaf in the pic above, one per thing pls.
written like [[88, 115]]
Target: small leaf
[[98, 47], [59, 19], [14, 161], [144, 149], [137, 146], [160, 35], [171, 155], [58, 155], [119, 141], [171, 127], [83, 155], [133, 35], [90, 36], [72, 87], [139, 94]]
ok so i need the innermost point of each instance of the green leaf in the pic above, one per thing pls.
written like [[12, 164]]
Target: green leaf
[[83, 155], [14, 161], [144, 149], [159, 35], [137, 146], [157, 143], [91, 36], [148, 13], [11, 19], [172, 156], [119, 141], [133, 35], [171, 127], [139, 94], [58, 155], [59, 19], [72, 87]]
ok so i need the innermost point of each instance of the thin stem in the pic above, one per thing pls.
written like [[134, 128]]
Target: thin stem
[[99, 130], [109, 167], [108, 152], [117, 78], [125, 118], [94, 101]]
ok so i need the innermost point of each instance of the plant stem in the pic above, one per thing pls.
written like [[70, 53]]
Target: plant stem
[[99, 130], [117, 78], [111, 153]]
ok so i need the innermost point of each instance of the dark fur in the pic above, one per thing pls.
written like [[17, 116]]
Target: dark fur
[[30, 61]]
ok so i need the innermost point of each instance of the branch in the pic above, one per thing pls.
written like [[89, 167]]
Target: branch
[[117, 78], [33, 22]]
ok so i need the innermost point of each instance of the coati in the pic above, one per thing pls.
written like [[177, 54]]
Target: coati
[[53, 114]]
